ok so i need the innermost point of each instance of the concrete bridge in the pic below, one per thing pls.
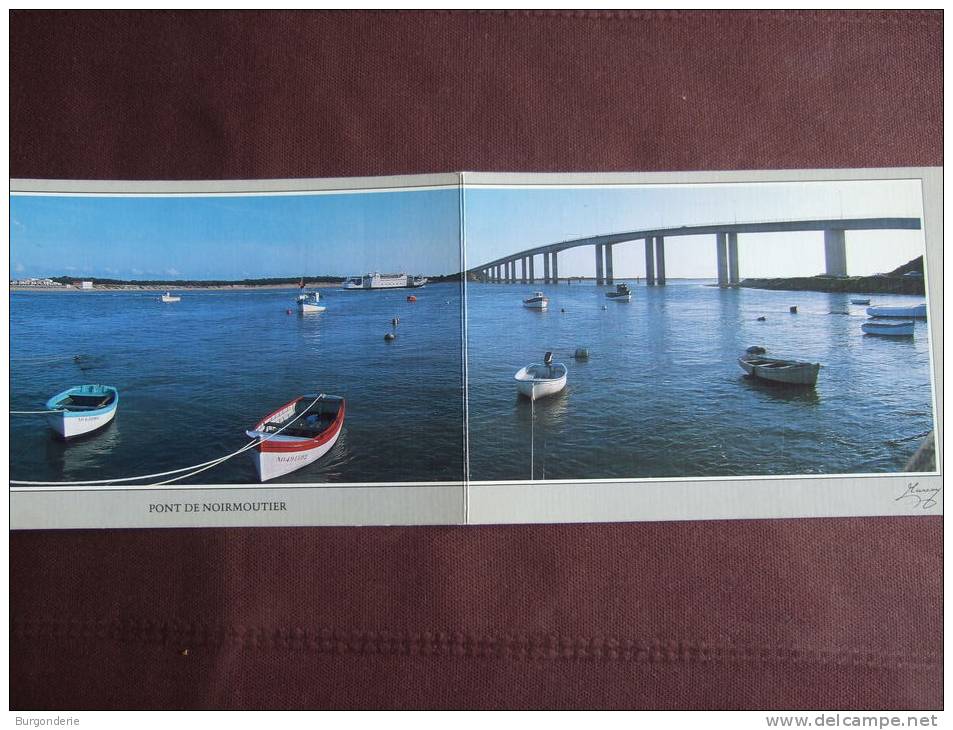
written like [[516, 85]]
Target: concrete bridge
[[522, 266]]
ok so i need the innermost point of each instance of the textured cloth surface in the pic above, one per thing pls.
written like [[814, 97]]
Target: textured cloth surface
[[796, 614]]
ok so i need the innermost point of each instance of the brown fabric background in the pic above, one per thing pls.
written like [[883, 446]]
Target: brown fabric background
[[747, 614]]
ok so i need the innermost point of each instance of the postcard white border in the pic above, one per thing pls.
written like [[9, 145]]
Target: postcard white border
[[509, 502]]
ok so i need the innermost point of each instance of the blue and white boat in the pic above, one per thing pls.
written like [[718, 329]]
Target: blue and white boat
[[82, 409], [310, 302], [917, 312], [904, 328]]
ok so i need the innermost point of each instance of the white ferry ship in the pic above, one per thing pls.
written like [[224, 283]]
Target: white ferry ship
[[385, 281]]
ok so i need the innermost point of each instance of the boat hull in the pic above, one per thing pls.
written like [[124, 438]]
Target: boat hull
[[278, 455], [860, 301], [534, 387], [274, 464], [888, 329], [917, 312], [785, 372], [619, 297], [308, 308], [538, 304], [69, 424]]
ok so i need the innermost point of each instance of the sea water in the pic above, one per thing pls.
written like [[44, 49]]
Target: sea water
[[661, 394], [193, 375]]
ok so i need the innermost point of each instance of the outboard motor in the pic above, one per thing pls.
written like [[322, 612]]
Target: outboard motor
[[548, 359]]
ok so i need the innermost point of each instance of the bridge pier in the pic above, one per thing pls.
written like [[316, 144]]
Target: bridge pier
[[649, 261], [721, 250], [524, 269], [546, 267], [733, 279], [599, 278], [497, 275], [555, 268], [660, 260], [835, 253], [608, 250], [532, 269]]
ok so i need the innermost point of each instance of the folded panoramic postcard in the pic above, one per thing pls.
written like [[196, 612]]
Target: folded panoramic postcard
[[475, 348]]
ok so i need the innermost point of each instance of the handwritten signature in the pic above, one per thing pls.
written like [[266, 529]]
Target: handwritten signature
[[923, 497]]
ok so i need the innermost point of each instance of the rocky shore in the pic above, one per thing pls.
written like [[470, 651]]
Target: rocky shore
[[907, 279]]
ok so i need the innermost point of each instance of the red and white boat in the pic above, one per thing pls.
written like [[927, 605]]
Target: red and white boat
[[297, 434]]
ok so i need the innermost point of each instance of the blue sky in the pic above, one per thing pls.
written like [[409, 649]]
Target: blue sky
[[505, 220], [238, 237], [234, 237]]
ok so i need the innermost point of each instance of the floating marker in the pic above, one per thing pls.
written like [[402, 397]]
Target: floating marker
[[390, 336], [762, 319], [794, 309], [582, 353]]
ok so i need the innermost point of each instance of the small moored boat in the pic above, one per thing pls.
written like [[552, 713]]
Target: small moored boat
[[888, 329], [167, 298], [622, 293], [297, 434], [82, 409], [789, 372], [541, 379], [860, 301], [310, 302], [537, 301], [919, 311]]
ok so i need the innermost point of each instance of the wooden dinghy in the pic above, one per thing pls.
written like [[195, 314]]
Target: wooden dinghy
[[82, 409], [788, 372], [297, 434]]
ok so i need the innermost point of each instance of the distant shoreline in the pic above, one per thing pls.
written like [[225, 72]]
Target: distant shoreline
[[853, 285], [170, 288]]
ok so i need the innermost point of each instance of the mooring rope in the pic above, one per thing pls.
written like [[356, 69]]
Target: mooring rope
[[197, 467]]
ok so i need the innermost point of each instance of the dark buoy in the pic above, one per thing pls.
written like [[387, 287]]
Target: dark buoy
[[762, 319], [756, 350], [582, 353], [794, 309], [287, 311], [390, 336], [563, 311]]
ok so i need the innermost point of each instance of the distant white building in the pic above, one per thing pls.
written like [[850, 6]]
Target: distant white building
[[85, 285], [34, 282]]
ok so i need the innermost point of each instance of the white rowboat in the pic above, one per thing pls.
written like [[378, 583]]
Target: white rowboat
[[860, 301], [919, 311], [297, 434], [888, 329], [789, 372], [541, 379], [167, 298], [82, 409]]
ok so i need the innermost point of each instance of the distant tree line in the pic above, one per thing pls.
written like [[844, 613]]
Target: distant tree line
[[291, 281]]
